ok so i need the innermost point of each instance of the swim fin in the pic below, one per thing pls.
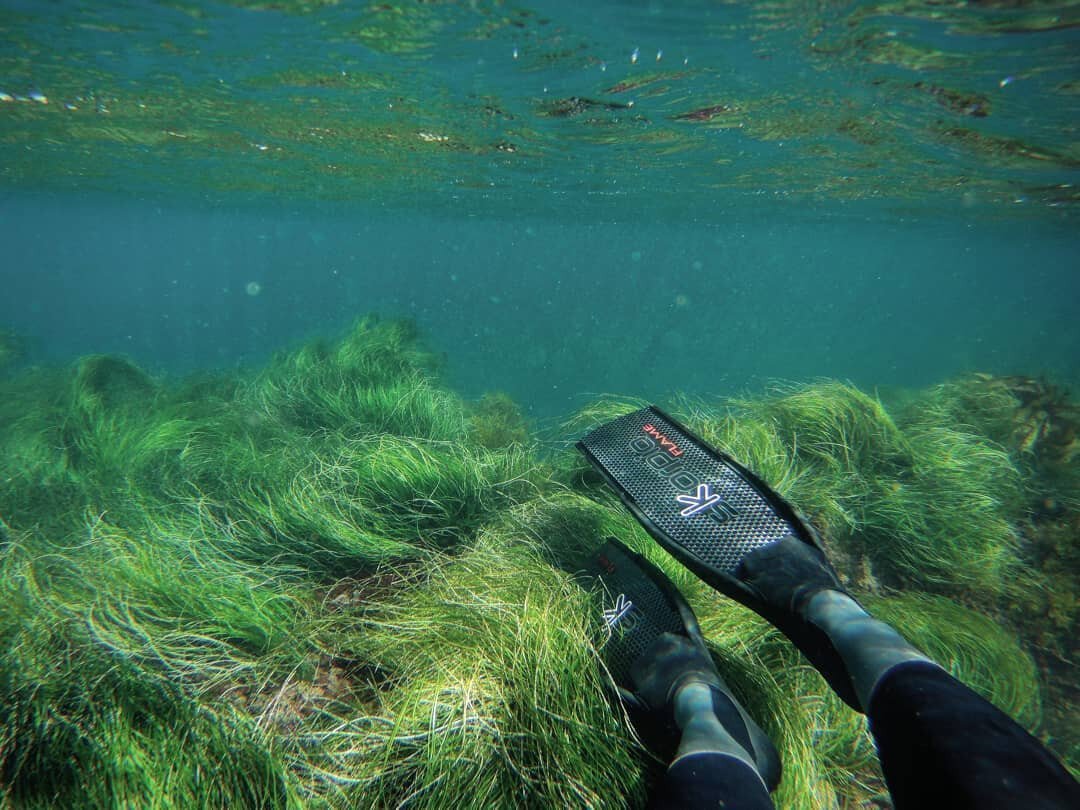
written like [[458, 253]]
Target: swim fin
[[654, 646], [709, 512], [639, 605]]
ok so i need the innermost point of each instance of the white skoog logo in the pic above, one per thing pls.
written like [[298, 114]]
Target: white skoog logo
[[705, 500], [615, 615]]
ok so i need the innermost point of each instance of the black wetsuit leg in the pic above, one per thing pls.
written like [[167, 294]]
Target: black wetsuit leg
[[711, 781], [942, 745]]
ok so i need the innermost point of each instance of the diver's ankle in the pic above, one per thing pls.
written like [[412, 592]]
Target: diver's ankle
[[702, 731], [869, 648]]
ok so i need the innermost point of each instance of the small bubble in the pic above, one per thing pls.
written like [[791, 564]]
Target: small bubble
[[635, 256], [253, 288], [634, 56]]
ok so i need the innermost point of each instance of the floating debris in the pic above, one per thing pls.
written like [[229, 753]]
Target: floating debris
[[861, 130], [643, 81], [975, 105], [707, 113], [1006, 148], [1057, 195], [576, 105]]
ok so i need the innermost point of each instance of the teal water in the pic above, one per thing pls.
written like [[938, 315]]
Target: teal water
[[632, 198]]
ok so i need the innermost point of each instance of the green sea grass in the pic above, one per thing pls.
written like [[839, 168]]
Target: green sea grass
[[929, 504], [95, 687], [334, 583], [500, 699]]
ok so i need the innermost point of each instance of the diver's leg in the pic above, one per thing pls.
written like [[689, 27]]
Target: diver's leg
[[664, 673], [940, 744], [711, 768], [727, 526]]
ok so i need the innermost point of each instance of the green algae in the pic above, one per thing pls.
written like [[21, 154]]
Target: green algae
[[1005, 16], [402, 28], [332, 582], [883, 49], [496, 421]]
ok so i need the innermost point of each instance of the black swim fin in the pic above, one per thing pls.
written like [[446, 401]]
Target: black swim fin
[[709, 512], [653, 640]]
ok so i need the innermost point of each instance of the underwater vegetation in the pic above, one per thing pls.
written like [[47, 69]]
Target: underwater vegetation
[[333, 582]]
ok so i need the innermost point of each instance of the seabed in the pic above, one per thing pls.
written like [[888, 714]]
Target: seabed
[[334, 582]]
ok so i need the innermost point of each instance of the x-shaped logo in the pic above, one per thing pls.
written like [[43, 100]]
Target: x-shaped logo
[[614, 615], [704, 499]]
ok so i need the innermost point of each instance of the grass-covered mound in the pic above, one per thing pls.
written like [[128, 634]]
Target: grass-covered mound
[[335, 583]]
